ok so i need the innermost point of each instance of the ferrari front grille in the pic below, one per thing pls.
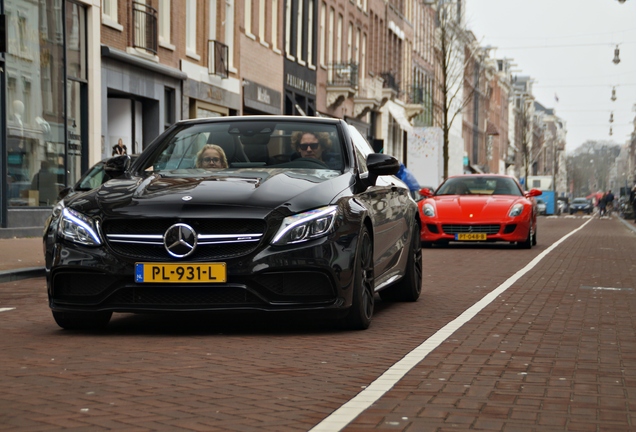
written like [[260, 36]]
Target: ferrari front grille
[[458, 229]]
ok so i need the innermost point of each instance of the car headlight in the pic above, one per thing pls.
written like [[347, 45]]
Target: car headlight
[[78, 228], [428, 210], [306, 226], [516, 210]]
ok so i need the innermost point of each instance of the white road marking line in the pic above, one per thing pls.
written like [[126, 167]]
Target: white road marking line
[[344, 415], [6, 309]]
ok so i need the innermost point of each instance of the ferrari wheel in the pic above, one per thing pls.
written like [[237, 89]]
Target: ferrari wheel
[[427, 244], [362, 304], [534, 237], [527, 244]]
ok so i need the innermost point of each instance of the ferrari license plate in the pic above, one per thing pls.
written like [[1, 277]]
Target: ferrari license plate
[[470, 236], [180, 273]]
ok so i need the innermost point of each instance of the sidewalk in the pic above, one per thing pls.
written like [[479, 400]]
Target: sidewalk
[[21, 258]]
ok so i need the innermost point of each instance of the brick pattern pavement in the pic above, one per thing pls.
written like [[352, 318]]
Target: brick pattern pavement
[[502, 371]]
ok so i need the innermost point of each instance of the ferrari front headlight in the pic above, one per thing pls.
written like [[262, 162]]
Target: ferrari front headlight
[[306, 226], [78, 228], [516, 210], [428, 210]]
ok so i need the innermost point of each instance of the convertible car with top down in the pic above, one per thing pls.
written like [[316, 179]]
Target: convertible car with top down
[[479, 208], [271, 213]]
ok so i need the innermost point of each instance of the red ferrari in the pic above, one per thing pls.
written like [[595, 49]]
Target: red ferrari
[[479, 208]]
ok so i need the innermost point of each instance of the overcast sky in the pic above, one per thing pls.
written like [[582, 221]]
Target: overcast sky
[[567, 46]]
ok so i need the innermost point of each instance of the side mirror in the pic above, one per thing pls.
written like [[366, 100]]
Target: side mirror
[[533, 193], [116, 166], [426, 192], [381, 165], [63, 193]]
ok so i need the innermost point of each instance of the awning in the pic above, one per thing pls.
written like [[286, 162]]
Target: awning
[[397, 112]]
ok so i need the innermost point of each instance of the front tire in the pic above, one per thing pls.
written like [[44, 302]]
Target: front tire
[[363, 301], [82, 320], [534, 237], [409, 287], [527, 244]]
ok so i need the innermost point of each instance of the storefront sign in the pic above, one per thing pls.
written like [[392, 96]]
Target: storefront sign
[[261, 98], [300, 84]]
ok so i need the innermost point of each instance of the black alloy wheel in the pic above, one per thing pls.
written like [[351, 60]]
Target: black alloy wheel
[[363, 302]]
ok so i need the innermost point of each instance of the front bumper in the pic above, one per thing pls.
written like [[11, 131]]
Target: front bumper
[[510, 231], [314, 276]]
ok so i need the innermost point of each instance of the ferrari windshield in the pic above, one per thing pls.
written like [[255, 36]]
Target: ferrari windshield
[[228, 145], [479, 185]]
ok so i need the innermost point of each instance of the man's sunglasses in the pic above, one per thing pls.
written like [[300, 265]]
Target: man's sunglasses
[[216, 160], [303, 147]]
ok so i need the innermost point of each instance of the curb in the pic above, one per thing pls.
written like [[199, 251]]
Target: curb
[[19, 274]]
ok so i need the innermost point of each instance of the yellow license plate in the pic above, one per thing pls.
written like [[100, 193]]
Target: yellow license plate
[[470, 236], [180, 273]]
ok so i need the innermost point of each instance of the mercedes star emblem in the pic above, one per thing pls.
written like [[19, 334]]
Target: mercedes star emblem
[[180, 240]]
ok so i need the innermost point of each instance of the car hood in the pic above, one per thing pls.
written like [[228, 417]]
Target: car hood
[[178, 193], [473, 207]]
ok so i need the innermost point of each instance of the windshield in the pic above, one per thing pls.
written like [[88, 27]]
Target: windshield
[[227, 145], [479, 185], [579, 201]]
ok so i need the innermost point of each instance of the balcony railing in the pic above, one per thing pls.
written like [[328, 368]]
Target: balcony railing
[[390, 81], [144, 27], [343, 75], [217, 58]]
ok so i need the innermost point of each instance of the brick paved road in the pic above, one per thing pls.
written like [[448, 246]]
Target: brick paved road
[[548, 354]]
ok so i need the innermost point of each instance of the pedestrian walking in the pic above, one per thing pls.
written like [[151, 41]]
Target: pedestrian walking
[[609, 202], [601, 206]]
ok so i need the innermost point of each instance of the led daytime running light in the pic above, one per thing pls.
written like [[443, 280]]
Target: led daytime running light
[[90, 230]]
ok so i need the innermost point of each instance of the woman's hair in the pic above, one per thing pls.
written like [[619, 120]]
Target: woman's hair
[[199, 159], [323, 139]]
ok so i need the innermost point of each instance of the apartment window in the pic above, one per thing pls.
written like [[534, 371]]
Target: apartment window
[[310, 34], [350, 43], [299, 33], [323, 22], [212, 21], [339, 40], [109, 10], [261, 22], [191, 29], [248, 18], [357, 46], [363, 57], [274, 28], [229, 33], [288, 27], [330, 35], [164, 22]]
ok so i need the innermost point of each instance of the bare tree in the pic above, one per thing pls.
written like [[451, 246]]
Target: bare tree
[[452, 60]]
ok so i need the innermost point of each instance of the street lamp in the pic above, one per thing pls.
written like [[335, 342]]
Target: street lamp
[[616, 60]]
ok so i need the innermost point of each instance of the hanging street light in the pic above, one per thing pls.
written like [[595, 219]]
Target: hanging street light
[[611, 133], [611, 117], [613, 94], [616, 60]]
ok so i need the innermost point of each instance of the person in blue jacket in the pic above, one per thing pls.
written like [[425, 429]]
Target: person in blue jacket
[[407, 177]]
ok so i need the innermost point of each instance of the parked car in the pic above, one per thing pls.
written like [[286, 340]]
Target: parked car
[[541, 206], [581, 204], [275, 231], [95, 176], [479, 208]]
